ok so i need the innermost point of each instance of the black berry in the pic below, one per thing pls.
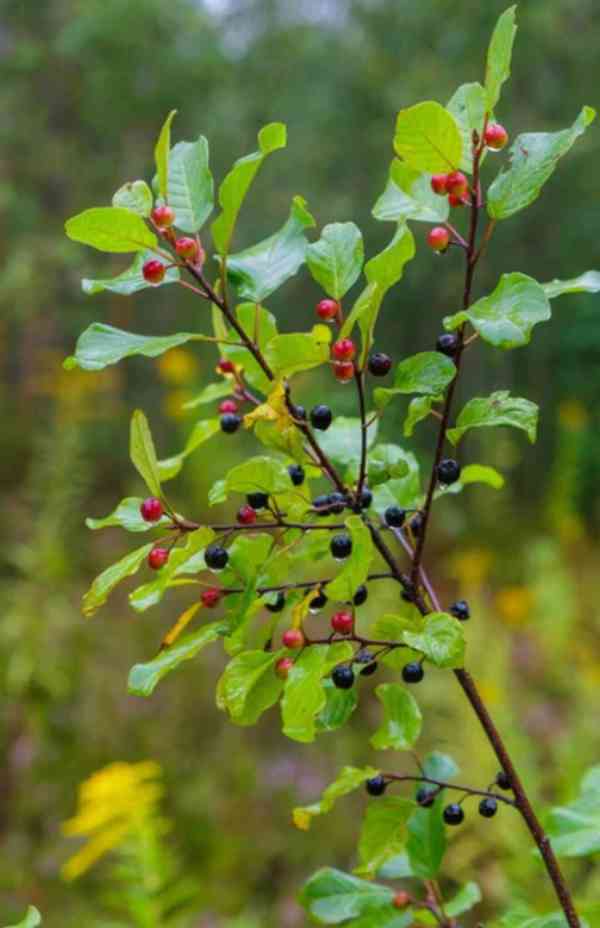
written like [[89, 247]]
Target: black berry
[[376, 785], [341, 546], [413, 672], [216, 557], [369, 669], [416, 524], [460, 610], [230, 422], [317, 603], [448, 471], [426, 796], [321, 504], [297, 475], [320, 417], [298, 412], [447, 344], [503, 780], [278, 604], [258, 500], [343, 677], [337, 502], [394, 516], [366, 498], [360, 596], [488, 807], [380, 364], [453, 814]]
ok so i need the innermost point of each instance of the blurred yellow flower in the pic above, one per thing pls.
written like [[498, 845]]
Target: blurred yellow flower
[[472, 567], [112, 803], [177, 366], [174, 402], [514, 604], [572, 415]]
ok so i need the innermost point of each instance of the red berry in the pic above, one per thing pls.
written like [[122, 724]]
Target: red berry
[[343, 350], [157, 558], [225, 366], [401, 899], [342, 622], [293, 639], [328, 309], [228, 406], [454, 200], [154, 271], [151, 509], [438, 184], [283, 667], [438, 238], [457, 183], [163, 216], [187, 247], [495, 136], [343, 370], [246, 515], [210, 597]]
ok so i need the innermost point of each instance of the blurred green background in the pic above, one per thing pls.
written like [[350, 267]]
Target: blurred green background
[[85, 87]]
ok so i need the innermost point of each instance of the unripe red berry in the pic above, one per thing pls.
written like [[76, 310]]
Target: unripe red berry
[[154, 271], [328, 309], [343, 370], [157, 558], [438, 238], [457, 183], [293, 639], [163, 216], [439, 184], [455, 200], [151, 509], [343, 350], [187, 247], [283, 667], [211, 597], [225, 366], [228, 406], [495, 136], [342, 622], [401, 899], [246, 515]]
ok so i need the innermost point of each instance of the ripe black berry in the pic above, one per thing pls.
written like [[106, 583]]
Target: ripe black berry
[[488, 807], [413, 672], [216, 557], [376, 785], [258, 500], [320, 417], [321, 504], [503, 780], [394, 516], [343, 677], [298, 412], [426, 796], [360, 596], [317, 603], [341, 546], [297, 475], [460, 610], [278, 604], [448, 471], [366, 498], [447, 343], [337, 502], [453, 814], [416, 524], [230, 422], [370, 668], [380, 364]]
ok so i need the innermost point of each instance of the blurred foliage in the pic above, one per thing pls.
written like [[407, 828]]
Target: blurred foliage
[[85, 84]]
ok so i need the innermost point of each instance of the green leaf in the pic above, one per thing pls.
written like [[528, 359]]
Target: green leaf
[[187, 558], [161, 154], [418, 409], [249, 686], [333, 897], [336, 260], [497, 409], [585, 283], [473, 473], [190, 184], [356, 567], [464, 900], [404, 491], [101, 345], [408, 195], [426, 842], [386, 268], [289, 354], [468, 106], [342, 440], [506, 317], [402, 718], [142, 452], [202, 431], [135, 196], [499, 55], [258, 271], [442, 640], [522, 916], [127, 515], [304, 696], [339, 706], [533, 159], [105, 583], [31, 920], [210, 393], [438, 766], [386, 462], [575, 829], [348, 780], [261, 326], [112, 229], [428, 138], [383, 833], [428, 372], [234, 188], [143, 678], [259, 474], [130, 280]]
